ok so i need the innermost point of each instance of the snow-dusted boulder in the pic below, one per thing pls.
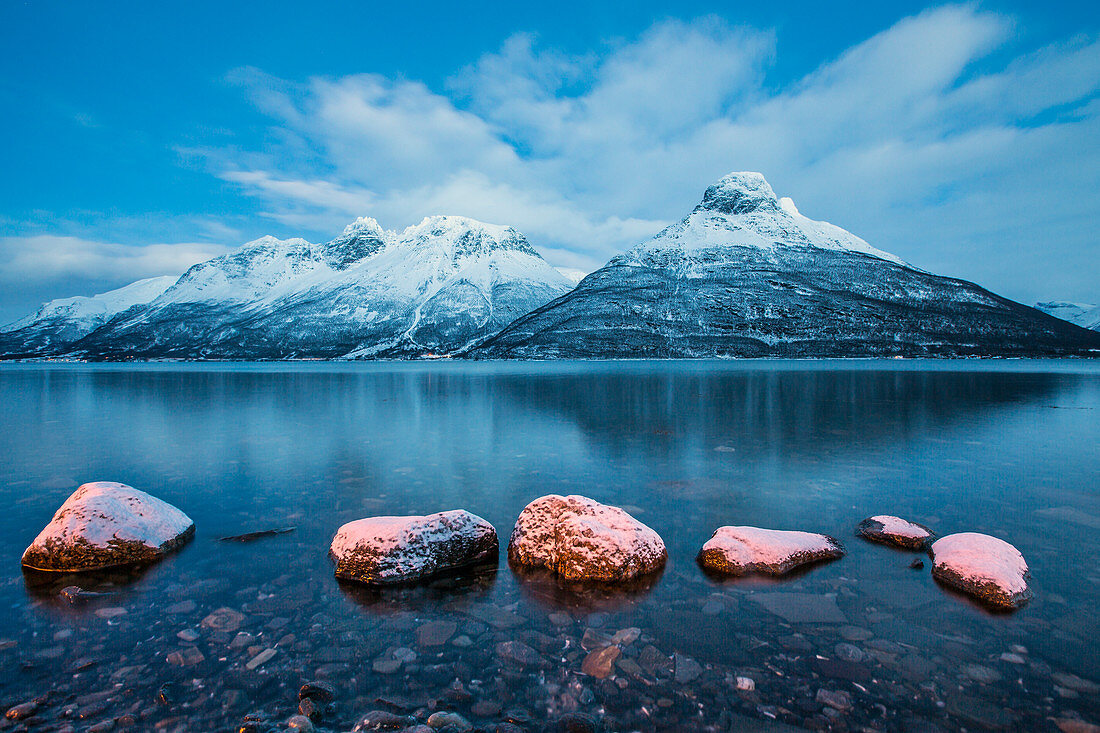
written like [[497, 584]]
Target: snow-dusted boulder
[[744, 550], [105, 524], [890, 530], [984, 567], [582, 539], [386, 550]]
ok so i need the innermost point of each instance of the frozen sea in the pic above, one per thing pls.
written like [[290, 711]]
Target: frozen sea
[[1009, 448]]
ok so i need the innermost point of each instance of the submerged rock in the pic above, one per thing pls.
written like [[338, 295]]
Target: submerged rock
[[105, 524], [581, 539], [890, 530], [744, 550], [984, 567], [386, 550]]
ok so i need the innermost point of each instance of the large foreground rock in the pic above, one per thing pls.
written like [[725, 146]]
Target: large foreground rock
[[744, 550], [581, 539], [887, 529], [984, 567], [387, 550], [105, 524]]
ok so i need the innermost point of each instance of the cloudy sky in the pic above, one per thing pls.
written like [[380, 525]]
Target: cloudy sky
[[141, 138]]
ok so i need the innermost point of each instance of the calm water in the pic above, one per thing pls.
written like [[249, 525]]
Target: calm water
[[1007, 448]]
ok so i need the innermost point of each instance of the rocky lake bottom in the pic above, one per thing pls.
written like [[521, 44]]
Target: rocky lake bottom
[[223, 635]]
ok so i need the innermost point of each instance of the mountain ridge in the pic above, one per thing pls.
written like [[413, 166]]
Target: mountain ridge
[[744, 274]]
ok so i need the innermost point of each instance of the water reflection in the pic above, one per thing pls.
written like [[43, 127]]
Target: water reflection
[[684, 447]]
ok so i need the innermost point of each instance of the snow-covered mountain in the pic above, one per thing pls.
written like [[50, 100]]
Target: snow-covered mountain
[[60, 323], [745, 274], [1085, 315], [434, 288]]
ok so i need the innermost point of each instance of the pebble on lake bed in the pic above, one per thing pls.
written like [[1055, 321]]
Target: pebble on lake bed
[[984, 567], [105, 524], [581, 539], [744, 550], [890, 530], [388, 550]]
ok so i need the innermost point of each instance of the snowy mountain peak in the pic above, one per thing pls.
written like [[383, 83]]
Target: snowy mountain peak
[[742, 210], [362, 238], [363, 225], [740, 193], [465, 237]]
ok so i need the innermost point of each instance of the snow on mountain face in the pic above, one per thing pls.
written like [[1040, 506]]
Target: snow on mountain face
[[433, 288], [65, 320], [742, 210], [1085, 315], [745, 274]]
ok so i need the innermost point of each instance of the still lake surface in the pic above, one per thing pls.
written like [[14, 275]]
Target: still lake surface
[[1009, 448]]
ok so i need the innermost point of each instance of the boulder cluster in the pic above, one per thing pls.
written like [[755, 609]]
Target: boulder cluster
[[104, 524]]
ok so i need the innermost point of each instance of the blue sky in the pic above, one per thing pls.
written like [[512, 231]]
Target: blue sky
[[142, 137]]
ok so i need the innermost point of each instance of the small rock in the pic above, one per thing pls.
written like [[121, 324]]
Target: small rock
[[1071, 725], [801, 608], [836, 699], [917, 564], [744, 550], [185, 657], [1075, 683], [855, 633], [108, 613], [242, 640], [581, 539], [382, 550], [594, 639], [561, 619], [182, 607], [23, 710], [317, 690], [85, 533], [746, 684], [188, 635], [987, 568], [301, 723], [600, 663], [444, 719], [223, 619], [1012, 658], [982, 674], [261, 658], [849, 652], [386, 666], [312, 709], [517, 652], [381, 720], [576, 723], [686, 669], [887, 529], [435, 633], [626, 637]]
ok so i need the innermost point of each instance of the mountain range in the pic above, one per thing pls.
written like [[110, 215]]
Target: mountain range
[[743, 275], [435, 288]]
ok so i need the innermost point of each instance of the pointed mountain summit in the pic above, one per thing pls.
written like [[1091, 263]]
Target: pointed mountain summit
[[434, 288], [746, 275]]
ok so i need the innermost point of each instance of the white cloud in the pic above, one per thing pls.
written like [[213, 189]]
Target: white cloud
[[45, 258], [940, 138]]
